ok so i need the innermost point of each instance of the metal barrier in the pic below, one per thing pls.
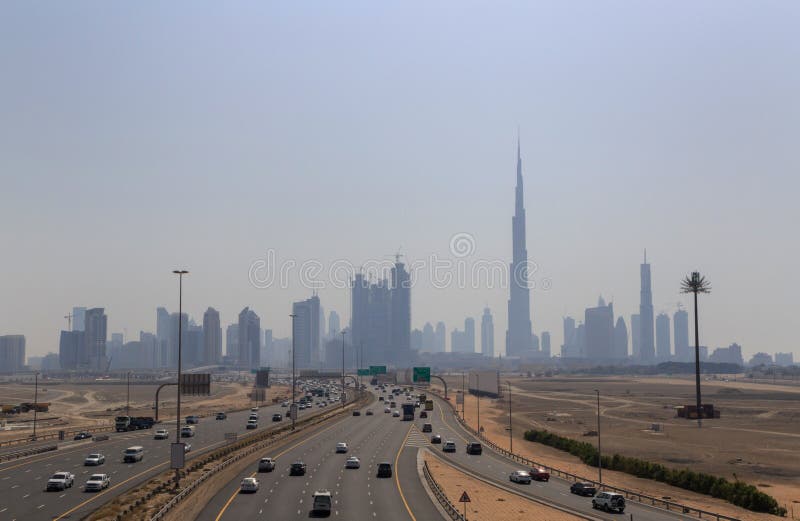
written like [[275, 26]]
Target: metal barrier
[[55, 435], [447, 505], [629, 494], [27, 452]]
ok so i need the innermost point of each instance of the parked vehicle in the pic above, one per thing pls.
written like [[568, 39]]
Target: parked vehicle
[[97, 482], [60, 481], [520, 476], [583, 489], [609, 501]]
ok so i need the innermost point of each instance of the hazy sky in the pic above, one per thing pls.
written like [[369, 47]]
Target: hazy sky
[[138, 137]]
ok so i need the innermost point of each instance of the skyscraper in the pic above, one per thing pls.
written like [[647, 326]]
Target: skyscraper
[[306, 331], [401, 314], [487, 333], [12, 353], [162, 336], [599, 331], [441, 337], [249, 356], [680, 325], [173, 343], [416, 340], [635, 338], [95, 334], [620, 340], [663, 348], [212, 337], [78, 318], [232, 342], [334, 325], [428, 338], [469, 335], [569, 349], [518, 335], [546, 344], [70, 346], [647, 348]]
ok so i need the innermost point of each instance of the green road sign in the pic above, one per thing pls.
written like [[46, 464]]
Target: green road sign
[[377, 369], [363, 372], [422, 374]]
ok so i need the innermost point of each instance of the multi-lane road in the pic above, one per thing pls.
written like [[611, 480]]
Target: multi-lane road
[[22, 482]]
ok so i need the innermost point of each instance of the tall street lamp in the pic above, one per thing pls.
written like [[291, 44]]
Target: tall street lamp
[[478, 400], [35, 401], [343, 397], [128, 401], [510, 436], [293, 406], [599, 453], [180, 274]]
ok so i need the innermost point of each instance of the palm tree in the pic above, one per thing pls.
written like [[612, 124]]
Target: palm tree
[[696, 283]]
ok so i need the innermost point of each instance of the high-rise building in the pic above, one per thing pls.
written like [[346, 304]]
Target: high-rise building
[[620, 340], [441, 337], [635, 337], [212, 337], [173, 343], [518, 335], [114, 349], [12, 353], [680, 325], [428, 338], [569, 349], [647, 348], [334, 324], [727, 355], [307, 341], [78, 318], [599, 332], [162, 336], [760, 359], [267, 351], [70, 347], [150, 355], [194, 348], [457, 343], [546, 344], [469, 335], [401, 314], [663, 347], [232, 342], [249, 355], [95, 334], [416, 340], [784, 359], [487, 334]]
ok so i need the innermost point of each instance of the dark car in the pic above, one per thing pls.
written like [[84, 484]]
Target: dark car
[[384, 470], [436, 439], [583, 489], [423, 414], [356, 413], [369, 412], [474, 448], [298, 468], [83, 436], [380, 398], [427, 428], [277, 417], [221, 416]]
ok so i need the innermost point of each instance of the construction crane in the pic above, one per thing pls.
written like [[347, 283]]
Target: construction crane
[[69, 321]]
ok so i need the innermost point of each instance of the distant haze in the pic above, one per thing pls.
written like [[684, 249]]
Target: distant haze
[[140, 138]]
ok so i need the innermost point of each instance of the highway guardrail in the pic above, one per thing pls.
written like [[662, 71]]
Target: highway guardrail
[[447, 505], [27, 452]]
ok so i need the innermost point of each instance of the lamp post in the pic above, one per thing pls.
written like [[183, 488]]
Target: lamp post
[[478, 400], [128, 401], [180, 274], [510, 436], [293, 406], [599, 453], [343, 396], [35, 401], [463, 399]]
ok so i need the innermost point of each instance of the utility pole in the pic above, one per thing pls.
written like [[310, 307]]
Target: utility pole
[[35, 402], [343, 396], [463, 399], [180, 274], [599, 452], [128, 402], [293, 406], [478, 399], [510, 436]]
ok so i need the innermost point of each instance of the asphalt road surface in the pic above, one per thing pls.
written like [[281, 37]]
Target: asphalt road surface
[[22, 482], [357, 493]]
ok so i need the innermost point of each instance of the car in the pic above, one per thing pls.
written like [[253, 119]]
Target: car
[[520, 476], [221, 416], [583, 489], [277, 417], [161, 434], [356, 413], [285, 404], [253, 416], [352, 463], [540, 474], [266, 465], [474, 448], [97, 482], [252, 424], [249, 485], [60, 481], [449, 446], [192, 420], [298, 468], [393, 404], [187, 431], [395, 413], [83, 435], [387, 410], [423, 414], [384, 470], [92, 460], [254, 409], [380, 398], [427, 427], [369, 412], [187, 447], [609, 501], [133, 454], [436, 439], [321, 505], [416, 405], [341, 447]]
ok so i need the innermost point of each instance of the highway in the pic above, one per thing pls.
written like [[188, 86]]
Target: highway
[[22, 482], [357, 493], [496, 469]]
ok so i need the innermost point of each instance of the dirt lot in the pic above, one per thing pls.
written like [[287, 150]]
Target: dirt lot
[[757, 439], [93, 404]]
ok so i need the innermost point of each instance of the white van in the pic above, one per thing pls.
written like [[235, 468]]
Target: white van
[[322, 503], [133, 454]]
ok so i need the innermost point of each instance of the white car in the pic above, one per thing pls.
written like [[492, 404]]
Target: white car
[[352, 463], [285, 404], [97, 482], [252, 424], [387, 410], [395, 413], [187, 447], [94, 460], [341, 447], [266, 465], [161, 434], [249, 485], [520, 476]]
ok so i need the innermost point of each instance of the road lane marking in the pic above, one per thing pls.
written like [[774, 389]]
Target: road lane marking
[[397, 474]]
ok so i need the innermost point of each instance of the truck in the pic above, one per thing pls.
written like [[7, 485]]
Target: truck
[[133, 423], [408, 412], [428, 405]]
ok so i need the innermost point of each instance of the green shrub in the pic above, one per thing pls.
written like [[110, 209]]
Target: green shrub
[[737, 492]]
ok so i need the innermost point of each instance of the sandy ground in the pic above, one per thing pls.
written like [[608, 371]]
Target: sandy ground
[[75, 406], [756, 440], [488, 502]]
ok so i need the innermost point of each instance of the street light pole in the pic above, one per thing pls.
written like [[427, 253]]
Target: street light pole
[[510, 436], [343, 395], [478, 399], [599, 452], [293, 406], [180, 274], [463, 399], [35, 402]]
